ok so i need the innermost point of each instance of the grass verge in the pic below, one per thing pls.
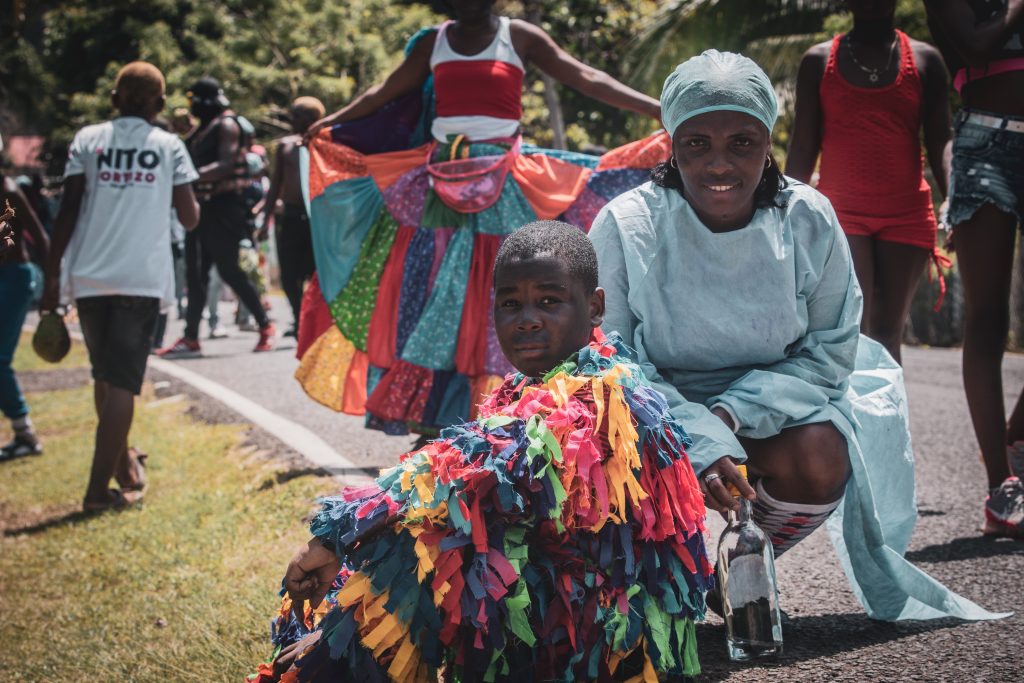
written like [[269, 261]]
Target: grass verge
[[180, 589]]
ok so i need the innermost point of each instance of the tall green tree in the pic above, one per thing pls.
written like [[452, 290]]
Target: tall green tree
[[265, 52]]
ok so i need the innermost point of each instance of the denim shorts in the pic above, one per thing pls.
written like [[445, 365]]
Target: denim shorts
[[988, 168], [118, 332]]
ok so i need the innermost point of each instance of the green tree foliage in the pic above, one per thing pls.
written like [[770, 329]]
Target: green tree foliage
[[595, 32], [58, 65], [65, 55], [265, 52], [774, 33]]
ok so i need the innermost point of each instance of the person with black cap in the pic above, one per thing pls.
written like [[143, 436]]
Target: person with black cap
[[218, 151]]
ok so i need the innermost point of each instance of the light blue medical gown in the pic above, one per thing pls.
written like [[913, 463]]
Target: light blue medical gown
[[765, 320]]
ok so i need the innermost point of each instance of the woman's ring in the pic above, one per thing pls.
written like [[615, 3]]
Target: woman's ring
[[711, 477]]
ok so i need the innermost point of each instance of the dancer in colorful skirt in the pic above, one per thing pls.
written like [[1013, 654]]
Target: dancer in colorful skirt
[[397, 324], [558, 537], [863, 100]]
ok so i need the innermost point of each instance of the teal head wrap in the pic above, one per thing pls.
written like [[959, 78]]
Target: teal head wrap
[[717, 81]]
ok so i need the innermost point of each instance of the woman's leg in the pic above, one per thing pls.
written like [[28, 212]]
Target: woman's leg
[[862, 249], [984, 248], [802, 474], [16, 294], [898, 269]]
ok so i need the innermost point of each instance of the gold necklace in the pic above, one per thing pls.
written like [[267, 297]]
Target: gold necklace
[[873, 74]]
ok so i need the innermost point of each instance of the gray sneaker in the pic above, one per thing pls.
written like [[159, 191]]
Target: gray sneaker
[[21, 446], [1004, 510]]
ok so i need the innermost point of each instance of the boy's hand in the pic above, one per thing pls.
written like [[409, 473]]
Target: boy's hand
[[310, 573], [713, 481], [287, 658], [6, 229], [51, 294]]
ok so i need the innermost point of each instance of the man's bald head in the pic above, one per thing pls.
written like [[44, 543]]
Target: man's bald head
[[305, 112], [139, 90]]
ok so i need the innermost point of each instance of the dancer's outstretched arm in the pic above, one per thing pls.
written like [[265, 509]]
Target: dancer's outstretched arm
[[411, 74], [537, 47]]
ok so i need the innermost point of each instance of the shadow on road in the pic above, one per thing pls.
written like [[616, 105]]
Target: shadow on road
[[288, 475], [967, 548], [62, 519], [809, 638]]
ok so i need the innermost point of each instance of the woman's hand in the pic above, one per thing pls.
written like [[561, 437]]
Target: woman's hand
[[315, 129], [716, 494], [310, 574]]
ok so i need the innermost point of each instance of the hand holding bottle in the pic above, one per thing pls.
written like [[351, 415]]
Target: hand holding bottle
[[715, 481]]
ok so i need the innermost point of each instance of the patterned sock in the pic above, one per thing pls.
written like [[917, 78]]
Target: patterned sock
[[788, 523]]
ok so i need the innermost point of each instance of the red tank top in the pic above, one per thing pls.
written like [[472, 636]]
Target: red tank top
[[871, 159]]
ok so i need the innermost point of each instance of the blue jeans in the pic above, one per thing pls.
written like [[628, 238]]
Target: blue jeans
[[16, 289], [988, 168]]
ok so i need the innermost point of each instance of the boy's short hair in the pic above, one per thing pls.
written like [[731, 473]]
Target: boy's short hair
[[138, 85], [551, 238], [309, 106]]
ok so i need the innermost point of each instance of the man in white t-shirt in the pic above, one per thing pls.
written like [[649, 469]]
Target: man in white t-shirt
[[121, 179]]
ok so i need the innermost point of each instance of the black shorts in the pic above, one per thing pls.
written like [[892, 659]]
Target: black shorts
[[118, 332]]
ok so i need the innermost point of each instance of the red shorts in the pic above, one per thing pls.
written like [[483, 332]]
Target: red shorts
[[916, 228]]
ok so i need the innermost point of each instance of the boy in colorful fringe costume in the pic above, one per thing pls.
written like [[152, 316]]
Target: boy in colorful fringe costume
[[557, 537]]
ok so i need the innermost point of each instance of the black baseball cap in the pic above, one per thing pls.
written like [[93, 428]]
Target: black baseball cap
[[207, 90]]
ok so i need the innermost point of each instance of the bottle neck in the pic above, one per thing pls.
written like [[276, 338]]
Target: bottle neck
[[745, 512]]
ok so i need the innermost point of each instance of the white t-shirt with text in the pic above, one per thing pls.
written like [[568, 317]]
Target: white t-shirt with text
[[120, 245]]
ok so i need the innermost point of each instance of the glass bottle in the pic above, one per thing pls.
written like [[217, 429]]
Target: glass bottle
[[746, 580]]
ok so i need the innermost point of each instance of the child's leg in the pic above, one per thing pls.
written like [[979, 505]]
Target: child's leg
[[115, 409], [119, 333]]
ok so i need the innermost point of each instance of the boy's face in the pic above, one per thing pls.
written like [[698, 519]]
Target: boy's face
[[542, 314]]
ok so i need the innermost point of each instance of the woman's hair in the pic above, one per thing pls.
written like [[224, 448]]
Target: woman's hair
[[766, 195]]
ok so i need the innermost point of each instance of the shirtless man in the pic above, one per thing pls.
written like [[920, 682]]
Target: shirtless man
[[294, 241]]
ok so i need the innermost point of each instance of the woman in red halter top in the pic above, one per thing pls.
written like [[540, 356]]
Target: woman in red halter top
[[862, 100]]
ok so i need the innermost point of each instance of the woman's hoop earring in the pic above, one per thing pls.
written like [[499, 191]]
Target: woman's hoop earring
[[767, 162], [672, 162]]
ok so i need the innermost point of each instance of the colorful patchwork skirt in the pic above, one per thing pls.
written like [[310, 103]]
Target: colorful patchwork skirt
[[397, 324]]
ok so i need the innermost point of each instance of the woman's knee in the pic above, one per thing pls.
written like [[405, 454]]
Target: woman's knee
[[820, 462]]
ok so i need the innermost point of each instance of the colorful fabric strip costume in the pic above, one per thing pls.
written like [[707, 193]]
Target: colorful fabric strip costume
[[558, 537], [397, 324]]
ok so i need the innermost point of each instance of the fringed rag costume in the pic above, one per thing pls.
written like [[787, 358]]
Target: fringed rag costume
[[406, 226], [557, 537]]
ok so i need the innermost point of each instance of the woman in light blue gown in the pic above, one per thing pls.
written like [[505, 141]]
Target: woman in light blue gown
[[736, 287]]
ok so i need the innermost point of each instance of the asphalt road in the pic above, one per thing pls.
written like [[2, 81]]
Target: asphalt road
[[827, 636]]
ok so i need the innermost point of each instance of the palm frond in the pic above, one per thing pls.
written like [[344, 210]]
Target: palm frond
[[772, 32]]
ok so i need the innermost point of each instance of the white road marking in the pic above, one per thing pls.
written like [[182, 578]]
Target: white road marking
[[294, 435]]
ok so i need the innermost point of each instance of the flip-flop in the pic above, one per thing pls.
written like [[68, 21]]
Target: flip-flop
[[118, 500], [140, 460]]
